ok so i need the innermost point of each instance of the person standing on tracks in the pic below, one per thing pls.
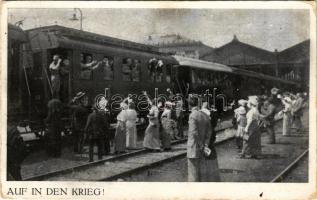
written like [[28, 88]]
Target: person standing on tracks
[[132, 117], [79, 107], [55, 76], [297, 112], [268, 111], [252, 136], [199, 134], [152, 132], [54, 128], [120, 135], [241, 120], [96, 129]]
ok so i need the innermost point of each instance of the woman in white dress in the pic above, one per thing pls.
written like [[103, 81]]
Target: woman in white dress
[[287, 116], [131, 119], [120, 135]]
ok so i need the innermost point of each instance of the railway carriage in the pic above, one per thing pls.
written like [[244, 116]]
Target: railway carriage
[[128, 68]]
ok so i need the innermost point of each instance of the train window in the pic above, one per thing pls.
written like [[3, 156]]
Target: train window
[[131, 69], [107, 66], [168, 73], [155, 70], [87, 64]]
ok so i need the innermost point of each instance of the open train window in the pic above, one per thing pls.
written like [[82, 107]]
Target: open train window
[[87, 65], [131, 69], [155, 70], [107, 66]]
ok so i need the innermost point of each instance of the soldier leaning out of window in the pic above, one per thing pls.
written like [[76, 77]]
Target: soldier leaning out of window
[[89, 64]]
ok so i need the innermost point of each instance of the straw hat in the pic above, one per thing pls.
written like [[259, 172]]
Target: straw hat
[[240, 110], [274, 91], [253, 100], [242, 102], [80, 95]]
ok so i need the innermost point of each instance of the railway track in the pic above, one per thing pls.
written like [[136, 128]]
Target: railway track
[[283, 174], [121, 157]]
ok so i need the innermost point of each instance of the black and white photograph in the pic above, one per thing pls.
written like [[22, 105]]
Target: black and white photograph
[[157, 94]]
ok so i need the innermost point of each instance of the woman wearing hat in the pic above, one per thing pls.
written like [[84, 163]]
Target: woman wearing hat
[[240, 115], [120, 135], [167, 126], [287, 116], [152, 134], [252, 136]]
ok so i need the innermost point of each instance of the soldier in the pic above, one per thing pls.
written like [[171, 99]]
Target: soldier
[[97, 128], [55, 75], [80, 112], [268, 111], [54, 128]]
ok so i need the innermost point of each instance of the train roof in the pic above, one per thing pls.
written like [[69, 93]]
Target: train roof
[[16, 33], [60, 35], [201, 64]]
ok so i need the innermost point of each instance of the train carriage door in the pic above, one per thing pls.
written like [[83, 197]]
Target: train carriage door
[[65, 72], [183, 79]]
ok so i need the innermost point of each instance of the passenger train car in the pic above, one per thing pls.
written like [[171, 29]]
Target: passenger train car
[[124, 68]]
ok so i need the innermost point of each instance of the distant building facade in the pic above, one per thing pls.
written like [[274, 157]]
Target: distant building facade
[[179, 45]]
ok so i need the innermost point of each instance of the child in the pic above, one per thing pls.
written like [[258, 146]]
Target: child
[[240, 115]]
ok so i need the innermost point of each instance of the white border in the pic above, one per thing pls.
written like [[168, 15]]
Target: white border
[[122, 190]]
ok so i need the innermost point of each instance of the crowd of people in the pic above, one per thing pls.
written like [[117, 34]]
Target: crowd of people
[[261, 112], [165, 123]]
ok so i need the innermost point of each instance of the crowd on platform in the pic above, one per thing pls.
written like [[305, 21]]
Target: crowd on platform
[[91, 125]]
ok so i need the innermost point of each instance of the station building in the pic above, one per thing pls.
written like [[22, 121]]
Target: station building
[[290, 64], [179, 45]]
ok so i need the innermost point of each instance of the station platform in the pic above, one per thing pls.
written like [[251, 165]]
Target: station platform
[[232, 169], [38, 162]]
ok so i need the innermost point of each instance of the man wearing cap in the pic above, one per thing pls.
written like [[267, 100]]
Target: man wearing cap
[[80, 113], [96, 128]]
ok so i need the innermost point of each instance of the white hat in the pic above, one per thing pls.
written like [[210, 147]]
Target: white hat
[[253, 100], [242, 102], [274, 90], [240, 110]]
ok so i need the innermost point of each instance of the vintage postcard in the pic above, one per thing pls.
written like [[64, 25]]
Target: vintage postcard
[[142, 100]]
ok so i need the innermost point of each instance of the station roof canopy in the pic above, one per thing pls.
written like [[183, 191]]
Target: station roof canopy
[[201, 64]]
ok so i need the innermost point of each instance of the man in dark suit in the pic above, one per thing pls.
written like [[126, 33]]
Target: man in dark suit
[[199, 133]]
